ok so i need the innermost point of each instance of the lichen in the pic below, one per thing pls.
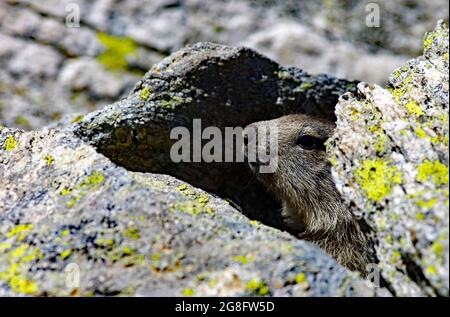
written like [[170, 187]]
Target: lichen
[[77, 119], [188, 292], [427, 204], [20, 231], [65, 254], [90, 183], [132, 233], [145, 93], [174, 101], [413, 108], [306, 86], [10, 143], [22, 121], [258, 287], [19, 260], [93, 181], [300, 278], [117, 49], [194, 208], [377, 177], [191, 207], [421, 133], [436, 171], [48, 159], [283, 75], [243, 259]]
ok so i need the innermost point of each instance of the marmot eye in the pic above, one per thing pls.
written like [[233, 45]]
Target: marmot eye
[[309, 142]]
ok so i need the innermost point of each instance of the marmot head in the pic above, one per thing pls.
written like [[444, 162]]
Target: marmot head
[[302, 179]]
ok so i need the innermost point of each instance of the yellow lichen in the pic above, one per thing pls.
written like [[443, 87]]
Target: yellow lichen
[[300, 278], [10, 143], [377, 178], [20, 285], [188, 292], [145, 93], [421, 133], [65, 254], [117, 50], [432, 270], [20, 231], [436, 171], [426, 203], [257, 286], [77, 119], [413, 108], [48, 159], [132, 233], [243, 259]]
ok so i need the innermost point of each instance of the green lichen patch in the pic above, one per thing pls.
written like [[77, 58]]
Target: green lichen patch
[[243, 259], [10, 143], [90, 183], [377, 178], [22, 121], [172, 102], [145, 93], [191, 207], [306, 86], [414, 108], [258, 287], [188, 292], [117, 49], [77, 119], [201, 199], [132, 233], [93, 181], [435, 171], [19, 257], [48, 159], [65, 254], [20, 231], [300, 278]]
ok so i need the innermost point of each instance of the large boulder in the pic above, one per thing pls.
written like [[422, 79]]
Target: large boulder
[[73, 223], [390, 162]]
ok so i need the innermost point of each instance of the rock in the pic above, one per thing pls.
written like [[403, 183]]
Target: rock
[[301, 45], [25, 62], [222, 86], [390, 162], [72, 223], [86, 74]]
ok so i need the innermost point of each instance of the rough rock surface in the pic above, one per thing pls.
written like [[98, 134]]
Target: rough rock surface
[[69, 215], [224, 87], [41, 57], [390, 157]]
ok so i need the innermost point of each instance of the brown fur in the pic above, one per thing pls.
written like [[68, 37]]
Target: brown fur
[[312, 205]]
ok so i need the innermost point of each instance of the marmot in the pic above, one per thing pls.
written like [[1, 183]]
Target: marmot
[[302, 181]]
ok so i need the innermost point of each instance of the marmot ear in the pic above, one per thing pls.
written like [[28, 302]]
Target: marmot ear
[[309, 142]]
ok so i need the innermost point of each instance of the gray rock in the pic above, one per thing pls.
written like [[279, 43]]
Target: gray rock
[[86, 74], [73, 223], [390, 162]]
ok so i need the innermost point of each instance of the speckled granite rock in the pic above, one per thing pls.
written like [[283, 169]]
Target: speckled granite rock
[[390, 162], [68, 214], [224, 87]]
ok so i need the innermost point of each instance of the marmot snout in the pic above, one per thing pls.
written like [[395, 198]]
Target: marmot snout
[[302, 181]]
